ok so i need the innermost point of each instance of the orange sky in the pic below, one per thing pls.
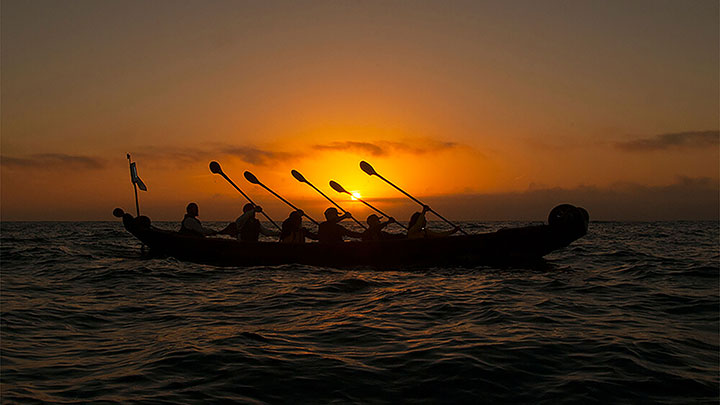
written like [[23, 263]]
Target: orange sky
[[486, 109]]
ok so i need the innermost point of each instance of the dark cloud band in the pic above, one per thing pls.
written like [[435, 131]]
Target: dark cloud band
[[54, 161], [691, 139], [259, 157]]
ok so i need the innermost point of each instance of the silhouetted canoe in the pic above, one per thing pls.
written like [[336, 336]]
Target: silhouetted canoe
[[524, 245]]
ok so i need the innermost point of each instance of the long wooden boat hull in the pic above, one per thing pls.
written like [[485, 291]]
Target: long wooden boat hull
[[505, 247]]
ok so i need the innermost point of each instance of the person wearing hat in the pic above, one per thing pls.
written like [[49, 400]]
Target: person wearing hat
[[331, 231], [248, 227], [375, 229], [293, 231]]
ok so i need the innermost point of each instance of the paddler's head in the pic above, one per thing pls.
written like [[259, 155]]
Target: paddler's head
[[331, 214], [251, 208], [192, 209], [296, 218], [373, 220]]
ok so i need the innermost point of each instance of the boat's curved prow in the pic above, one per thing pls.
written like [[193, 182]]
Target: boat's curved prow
[[130, 222], [569, 221]]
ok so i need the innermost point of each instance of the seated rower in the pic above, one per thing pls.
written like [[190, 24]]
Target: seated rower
[[293, 231], [331, 231], [375, 229], [190, 225], [417, 228], [248, 227]]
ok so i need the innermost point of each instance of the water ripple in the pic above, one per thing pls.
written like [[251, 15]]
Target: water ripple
[[627, 314]]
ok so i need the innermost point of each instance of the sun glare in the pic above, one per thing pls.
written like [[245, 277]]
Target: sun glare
[[355, 195]]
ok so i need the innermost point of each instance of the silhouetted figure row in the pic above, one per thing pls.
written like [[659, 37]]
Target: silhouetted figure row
[[247, 228]]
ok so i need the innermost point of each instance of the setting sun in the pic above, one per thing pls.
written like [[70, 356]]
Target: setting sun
[[355, 195]]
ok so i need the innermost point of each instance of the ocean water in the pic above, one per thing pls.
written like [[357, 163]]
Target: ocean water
[[628, 314]]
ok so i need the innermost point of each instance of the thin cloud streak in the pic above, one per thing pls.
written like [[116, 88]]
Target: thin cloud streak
[[418, 149], [185, 155], [690, 139], [54, 161], [366, 147], [259, 157], [385, 148]]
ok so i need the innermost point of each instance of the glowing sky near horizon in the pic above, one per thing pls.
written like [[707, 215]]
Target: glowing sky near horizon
[[448, 99]]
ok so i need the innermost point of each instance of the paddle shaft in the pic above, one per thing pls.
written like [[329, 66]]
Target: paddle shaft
[[333, 203], [287, 202], [379, 212], [419, 202], [249, 199]]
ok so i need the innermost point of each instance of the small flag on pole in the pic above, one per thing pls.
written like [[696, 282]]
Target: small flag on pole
[[135, 178]]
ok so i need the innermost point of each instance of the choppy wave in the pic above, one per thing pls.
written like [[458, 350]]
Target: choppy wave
[[627, 314]]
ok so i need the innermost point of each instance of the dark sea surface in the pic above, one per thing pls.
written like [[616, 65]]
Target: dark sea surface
[[628, 314]]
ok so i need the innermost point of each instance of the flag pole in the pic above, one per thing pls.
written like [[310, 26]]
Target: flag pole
[[132, 179]]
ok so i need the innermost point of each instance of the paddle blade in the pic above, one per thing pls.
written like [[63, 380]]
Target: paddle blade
[[299, 177], [365, 166], [337, 187], [215, 167], [251, 178]]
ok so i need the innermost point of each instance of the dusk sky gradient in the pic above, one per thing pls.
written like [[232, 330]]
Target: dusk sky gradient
[[485, 109]]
